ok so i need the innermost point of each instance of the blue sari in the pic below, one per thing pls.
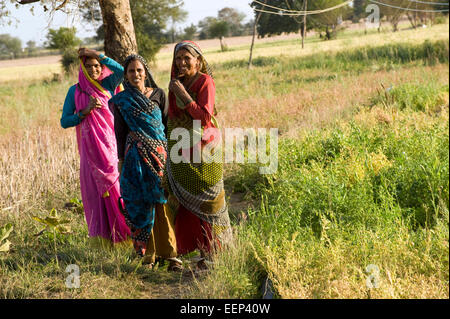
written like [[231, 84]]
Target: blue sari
[[144, 162]]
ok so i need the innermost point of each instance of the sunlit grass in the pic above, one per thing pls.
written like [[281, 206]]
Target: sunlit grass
[[315, 45], [361, 180], [27, 73]]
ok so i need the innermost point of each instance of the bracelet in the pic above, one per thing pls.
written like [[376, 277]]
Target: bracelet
[[101, 56], [81, 116]]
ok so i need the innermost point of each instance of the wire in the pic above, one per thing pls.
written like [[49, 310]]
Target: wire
[[299, 13], [277, 8], [407, 9], [294, 13], [427, 2]]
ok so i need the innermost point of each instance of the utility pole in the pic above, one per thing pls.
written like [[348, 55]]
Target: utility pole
[[253, 38], [304, 25]]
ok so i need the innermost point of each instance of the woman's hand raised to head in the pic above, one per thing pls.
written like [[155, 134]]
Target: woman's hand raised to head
[[89, 53]]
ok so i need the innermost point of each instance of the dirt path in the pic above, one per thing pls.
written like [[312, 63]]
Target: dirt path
[[49, 59]]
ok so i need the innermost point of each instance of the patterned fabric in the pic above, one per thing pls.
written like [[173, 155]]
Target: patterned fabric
[[197, 186], [139, 236], [98, 160], [144, 162]]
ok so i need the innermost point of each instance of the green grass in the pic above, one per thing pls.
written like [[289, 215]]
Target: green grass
[[343, 198], [362, 179], [399, 53]]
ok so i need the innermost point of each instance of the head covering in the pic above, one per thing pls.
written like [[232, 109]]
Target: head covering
[[105, 70], [195, 50], [90, 87], [149, 81]]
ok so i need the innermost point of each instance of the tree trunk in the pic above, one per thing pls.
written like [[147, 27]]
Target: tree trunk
[[223, 45], [395, 25], [120, 39], [413, 20], [327, 33]]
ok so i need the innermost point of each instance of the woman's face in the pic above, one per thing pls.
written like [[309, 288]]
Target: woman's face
[[136, 74], [93, 68], [187, 64]]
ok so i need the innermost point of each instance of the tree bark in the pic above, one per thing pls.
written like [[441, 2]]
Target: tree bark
[[120, 39], [223, 45]]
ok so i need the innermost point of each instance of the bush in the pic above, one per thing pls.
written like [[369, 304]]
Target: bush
[[70, 61], [411, 97]]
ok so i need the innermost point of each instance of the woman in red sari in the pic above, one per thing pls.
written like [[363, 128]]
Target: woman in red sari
[[196, 191]]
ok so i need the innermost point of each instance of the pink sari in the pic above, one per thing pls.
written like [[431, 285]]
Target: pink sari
[[99, 176]]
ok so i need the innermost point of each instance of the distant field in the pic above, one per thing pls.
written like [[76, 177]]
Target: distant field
[[29, 72], [285, 45], [346, 40], [362, 181]]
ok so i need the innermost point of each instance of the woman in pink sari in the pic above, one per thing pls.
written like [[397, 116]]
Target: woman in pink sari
[[86, 108]]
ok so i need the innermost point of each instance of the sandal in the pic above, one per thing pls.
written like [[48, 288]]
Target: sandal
[[202, 265], [175, 265]]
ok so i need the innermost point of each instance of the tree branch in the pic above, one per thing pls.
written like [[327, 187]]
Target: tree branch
[[27, 1], [62, 5]]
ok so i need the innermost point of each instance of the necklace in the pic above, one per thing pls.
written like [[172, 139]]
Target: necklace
[[146, 91]]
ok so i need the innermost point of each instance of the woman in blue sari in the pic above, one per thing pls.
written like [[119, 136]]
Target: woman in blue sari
[[142, 150]]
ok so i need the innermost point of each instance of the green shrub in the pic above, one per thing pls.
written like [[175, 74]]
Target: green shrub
[[412, 97], [70, 61], [357, 177]]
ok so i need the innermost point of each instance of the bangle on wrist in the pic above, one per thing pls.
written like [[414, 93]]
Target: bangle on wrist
[[80, 115]]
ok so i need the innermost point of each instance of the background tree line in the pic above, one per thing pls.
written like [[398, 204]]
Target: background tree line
[[155, 23], [330, 22]]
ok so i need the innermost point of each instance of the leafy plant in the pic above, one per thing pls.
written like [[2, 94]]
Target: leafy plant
[[54, 224], [5, 231], [76, 205]]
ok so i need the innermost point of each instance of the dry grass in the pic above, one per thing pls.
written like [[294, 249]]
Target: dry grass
[[317, 104], [273, 47], [33, 174], [29, 72], [39, 167], [340, 270], [313, 46]]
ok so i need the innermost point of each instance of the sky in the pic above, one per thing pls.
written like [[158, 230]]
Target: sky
[[35, 26]]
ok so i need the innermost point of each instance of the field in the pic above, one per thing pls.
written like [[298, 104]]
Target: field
[[357, 209]]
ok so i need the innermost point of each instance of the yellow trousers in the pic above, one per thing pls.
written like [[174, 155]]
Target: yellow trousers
[[162, 242]]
